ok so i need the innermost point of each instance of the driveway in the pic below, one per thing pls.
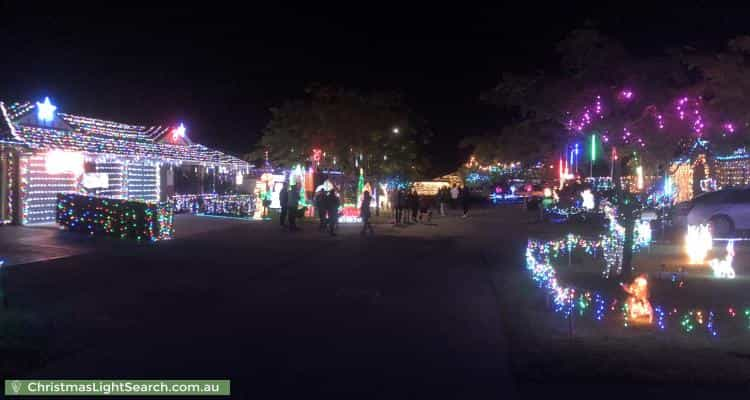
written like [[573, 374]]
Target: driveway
[[410, 312]]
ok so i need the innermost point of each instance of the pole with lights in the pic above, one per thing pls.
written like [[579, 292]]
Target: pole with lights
[[593, 155], [612, 160]]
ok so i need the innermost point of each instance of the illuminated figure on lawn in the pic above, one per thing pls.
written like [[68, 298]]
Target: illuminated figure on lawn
[[698, 242], [723, 268], [587, 199], [639, 308]]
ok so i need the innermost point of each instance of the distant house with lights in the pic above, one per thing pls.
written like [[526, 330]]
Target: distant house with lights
[[44, 152], [701, 170], [734, 169]]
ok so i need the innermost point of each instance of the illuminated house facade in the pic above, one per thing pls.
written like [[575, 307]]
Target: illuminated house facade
[[702, 171], [693, 176], [734, 169], [43, 152]]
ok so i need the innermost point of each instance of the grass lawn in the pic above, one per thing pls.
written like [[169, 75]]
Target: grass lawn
[[546, 347]]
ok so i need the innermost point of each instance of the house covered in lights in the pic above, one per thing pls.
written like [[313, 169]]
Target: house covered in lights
[[701, 170], [44, 152]]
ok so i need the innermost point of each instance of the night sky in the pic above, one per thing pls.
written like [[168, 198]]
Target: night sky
[[220, 70]]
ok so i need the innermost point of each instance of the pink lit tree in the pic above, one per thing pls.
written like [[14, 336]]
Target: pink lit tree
[[655, 106]]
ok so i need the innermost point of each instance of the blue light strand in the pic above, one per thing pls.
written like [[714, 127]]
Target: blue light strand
[[660, 317], [710, 325], [600, 307]]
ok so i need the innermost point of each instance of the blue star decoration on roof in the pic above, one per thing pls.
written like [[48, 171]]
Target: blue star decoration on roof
[[45, 111]]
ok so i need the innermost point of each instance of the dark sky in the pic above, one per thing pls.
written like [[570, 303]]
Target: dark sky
[[220, 69]]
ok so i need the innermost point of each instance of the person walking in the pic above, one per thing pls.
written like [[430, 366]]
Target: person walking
[[406, 216], [414, 205], [454, 196], [293, 204], [284, 203], [443, 197], [322, 208], [465, 198], [266, 201], [393, 199], [425, 209], [332, 201], [364, 213], [400, 206]]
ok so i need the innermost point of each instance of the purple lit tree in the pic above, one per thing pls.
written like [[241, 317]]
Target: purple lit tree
[[723, 85], [655, 106]]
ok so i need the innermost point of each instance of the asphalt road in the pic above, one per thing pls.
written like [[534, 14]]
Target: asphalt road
[[408, 313]]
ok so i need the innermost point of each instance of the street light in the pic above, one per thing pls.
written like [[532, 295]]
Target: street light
[[395, 130]]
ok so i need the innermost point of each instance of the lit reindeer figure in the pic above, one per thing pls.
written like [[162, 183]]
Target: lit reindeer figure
[[723, 268]]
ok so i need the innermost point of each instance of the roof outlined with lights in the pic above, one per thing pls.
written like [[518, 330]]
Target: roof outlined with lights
[[28, 124]]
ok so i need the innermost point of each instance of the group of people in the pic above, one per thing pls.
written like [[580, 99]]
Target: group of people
[[409, 206], [454, 196], [327, 203], [289, 202]]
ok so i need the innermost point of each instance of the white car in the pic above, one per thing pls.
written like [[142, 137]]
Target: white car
[[726, 211]]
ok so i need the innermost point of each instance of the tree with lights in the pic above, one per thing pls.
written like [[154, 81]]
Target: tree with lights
[[596, 92], [724, 87], [654, 107], [640, 112], [376, 132]]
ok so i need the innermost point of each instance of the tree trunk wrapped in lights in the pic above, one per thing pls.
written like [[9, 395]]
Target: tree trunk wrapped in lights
[[628, 212]]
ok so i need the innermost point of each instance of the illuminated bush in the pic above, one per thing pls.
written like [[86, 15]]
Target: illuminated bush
[[120, 218]]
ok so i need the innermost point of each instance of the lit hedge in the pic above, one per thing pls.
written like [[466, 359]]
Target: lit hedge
[[119, 218], [231, 205]]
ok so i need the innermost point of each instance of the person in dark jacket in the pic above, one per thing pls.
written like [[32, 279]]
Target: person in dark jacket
[[465, 198], [284, 202], [320, 205], [364, 213], [443, 196], [408, 205], [393, 199], [425, 209], [293, 204], [414, 205], [400, 205], [332, 201]]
